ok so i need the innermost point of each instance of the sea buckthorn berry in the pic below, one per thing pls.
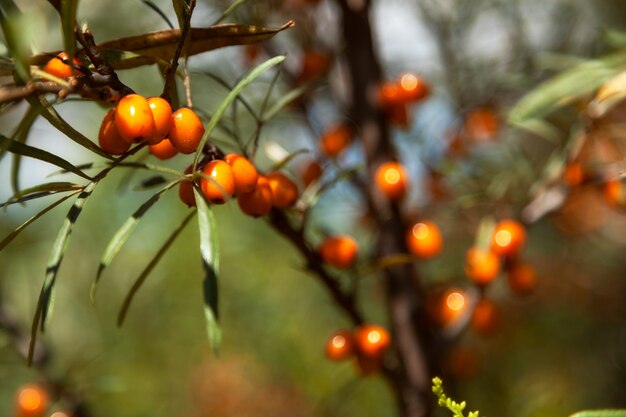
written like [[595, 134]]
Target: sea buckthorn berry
[[314, 65], [163, 150], [134, 119], [340, 346], [284, 191], [336, 139], [412, 88], [389, 95], [221, 185], [371, 340], [522, 278], [245, 173], [59, 66], [339, 251], [486, 317], [482, 124], [161, 112], [614, 192], [311, 173], [508, 238], [31, 401], [453, 304], [186, 130], [482, 266], [391, 180], [109, 139], [574, 175], [257, 202], [424, 240], [185, 191]]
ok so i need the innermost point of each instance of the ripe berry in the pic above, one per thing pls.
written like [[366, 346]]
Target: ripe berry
[[134, 119], [389, 95], [284, 190], [412, 88], [482, 266], [452, 306], [161, 112], [336, 139], [482, 124], [59, 66], [185, 191], [311, 173], [109, 138], [221, 186], [340, 346], [186, 130], [424, 240], [258, 202], [574, 175], [614, 192], [339, 251], [508, 238], [485, 318], [371, 340], [31, 401], [391, 180], [314, 65], [163, 150], [522, 278], [245, 173]]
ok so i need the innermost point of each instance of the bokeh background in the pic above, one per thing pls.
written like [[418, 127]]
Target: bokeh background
[[557, 351]]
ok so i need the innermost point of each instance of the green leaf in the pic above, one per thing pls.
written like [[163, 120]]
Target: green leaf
[[123, 233], [68, 23], [229, 11], [209, 249], [14, 26], [252, 75], [150, 183], [40, 154], [42, 190], [600, 413], [47, 111], [22, 226], [144, 274], [20, 134], [160, 12], [280, 164], [181, 7], [561, 90], [284, 101]]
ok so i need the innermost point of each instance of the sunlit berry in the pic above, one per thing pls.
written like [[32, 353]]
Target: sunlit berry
[[482, 266], [109, 138], [186, 130], [134, 118], [391, 180], [339, 251], [59, 66], [340, 346], [219, 184], [284, 190], [424, 239], [244, 172]]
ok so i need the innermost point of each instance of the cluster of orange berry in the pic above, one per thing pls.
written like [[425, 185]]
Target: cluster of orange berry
[[367, 343], [395, 97], [32, 401]]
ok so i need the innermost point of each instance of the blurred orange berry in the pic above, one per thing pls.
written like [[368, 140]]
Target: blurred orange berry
[[371, 340], [336, 139], [574, 174], [482, 124], [340, 346], [424, 240], [391, 180], [412, 87], [312, 172], [284, 190], [339, 251], [257, 202], [482, 266], [614, 192], [31, 401], [508, 238]]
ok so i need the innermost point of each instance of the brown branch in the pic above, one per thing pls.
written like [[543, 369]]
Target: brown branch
[[170, 72]]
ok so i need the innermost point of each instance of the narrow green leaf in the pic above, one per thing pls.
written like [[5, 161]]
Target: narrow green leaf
[[47, 111], [68, 23], [20, 134], [280, 164], [144, 274], [229, 11], [181, 7], [25, 150], [22, 226], [42, 190], [252, 75], [123, 233], [285, 100], [209, 249], [150, 183], [160, 12], [14, 26], [600, 413]]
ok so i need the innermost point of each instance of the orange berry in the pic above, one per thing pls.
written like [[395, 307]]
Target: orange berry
[[336, 139], [134, 119], [311, 173], [522, 278], [339, 251], [389, 95], [163, 150], [371, 340], [314, 65], [485, 318], [186, 130], [482, 124], [391, 180], [245, 173], [453, 304], [284, 191], [257, 202], [412, 88], [221, 187], [614, 192], [574, 174], [340, 346], [508, 238], [60, 67], [31, 401], [482, 266], [109, 139], [185, 191], [161, 112], [424, 240]]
